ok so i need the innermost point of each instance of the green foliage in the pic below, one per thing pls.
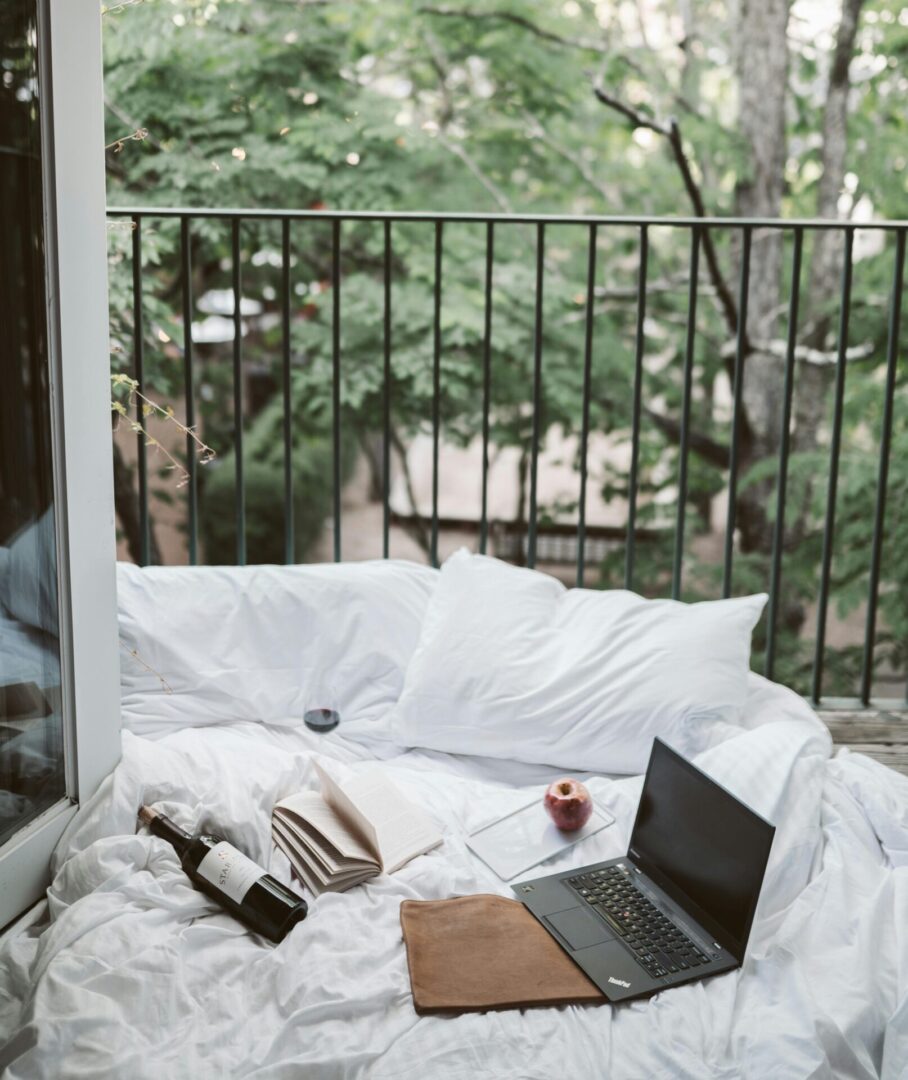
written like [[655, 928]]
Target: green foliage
[[393, 105], [312, 463]]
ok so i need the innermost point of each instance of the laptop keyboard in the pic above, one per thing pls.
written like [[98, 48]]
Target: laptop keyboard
[[659, 946]]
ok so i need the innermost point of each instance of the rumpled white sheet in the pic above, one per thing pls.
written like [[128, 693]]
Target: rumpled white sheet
[[139, 975]]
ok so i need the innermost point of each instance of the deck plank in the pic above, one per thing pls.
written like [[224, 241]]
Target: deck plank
[[881, 735]]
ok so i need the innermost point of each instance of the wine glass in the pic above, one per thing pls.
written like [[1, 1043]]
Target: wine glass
[[321, 713]]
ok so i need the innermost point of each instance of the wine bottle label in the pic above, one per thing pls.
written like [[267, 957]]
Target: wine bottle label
[[230, 870]]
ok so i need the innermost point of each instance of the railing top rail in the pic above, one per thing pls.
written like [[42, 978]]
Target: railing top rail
[[525, 219]]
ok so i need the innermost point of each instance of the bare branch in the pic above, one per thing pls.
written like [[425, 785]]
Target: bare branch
[[582, 167], [629, 295], [517, 20], [135, 655], [638, 119], [120, 381], [459, 152], [672, 132], [115, 9], [437, 60], [702, 445], [130, 122], [726, 300], [139, 135], [804, 353]]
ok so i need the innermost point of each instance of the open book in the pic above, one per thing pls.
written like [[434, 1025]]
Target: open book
[[348, 834]]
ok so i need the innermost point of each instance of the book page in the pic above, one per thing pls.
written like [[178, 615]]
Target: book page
[[325, 857], [402, 829], [314, 811], [354, 817], [308, 872]]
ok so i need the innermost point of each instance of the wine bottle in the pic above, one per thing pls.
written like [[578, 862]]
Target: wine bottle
[[230, 877]]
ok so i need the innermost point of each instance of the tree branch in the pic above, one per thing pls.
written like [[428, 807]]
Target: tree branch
[[130, 122], [517, 20], [707, 448], [637, 119], [804, 353], [672, 132], [703, 445], [582, 167], [497, 194], [417, 527]]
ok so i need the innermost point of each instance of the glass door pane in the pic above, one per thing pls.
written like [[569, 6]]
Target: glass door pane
[[31, 721]]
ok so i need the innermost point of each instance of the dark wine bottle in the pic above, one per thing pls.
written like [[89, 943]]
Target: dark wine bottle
[[230, 877]]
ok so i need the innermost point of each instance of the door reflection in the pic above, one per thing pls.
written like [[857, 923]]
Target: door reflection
[[31, 724]]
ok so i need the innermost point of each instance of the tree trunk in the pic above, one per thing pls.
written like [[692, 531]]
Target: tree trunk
[[372, 447], [762, 69], [825, 267]]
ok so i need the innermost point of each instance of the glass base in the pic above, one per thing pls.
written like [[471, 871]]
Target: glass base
[[321, 719]]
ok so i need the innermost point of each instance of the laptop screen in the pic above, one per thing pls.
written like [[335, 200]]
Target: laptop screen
[[697, 838]]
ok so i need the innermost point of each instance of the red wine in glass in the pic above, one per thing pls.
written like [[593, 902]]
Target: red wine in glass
[[321, 719], [320, 711]]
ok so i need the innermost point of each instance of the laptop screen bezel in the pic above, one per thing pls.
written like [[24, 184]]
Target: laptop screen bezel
[[736, 946]]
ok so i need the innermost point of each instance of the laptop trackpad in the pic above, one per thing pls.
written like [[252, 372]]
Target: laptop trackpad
[[579, 928]]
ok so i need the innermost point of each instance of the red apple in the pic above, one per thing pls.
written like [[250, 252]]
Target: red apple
[[568, 804]]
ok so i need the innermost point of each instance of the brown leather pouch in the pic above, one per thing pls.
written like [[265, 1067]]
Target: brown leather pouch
[[486, 952]]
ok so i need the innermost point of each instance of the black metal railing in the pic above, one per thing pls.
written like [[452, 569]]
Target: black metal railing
[[700, 233]]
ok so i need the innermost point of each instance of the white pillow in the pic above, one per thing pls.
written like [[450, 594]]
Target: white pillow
[[511, 664], [208, 644]]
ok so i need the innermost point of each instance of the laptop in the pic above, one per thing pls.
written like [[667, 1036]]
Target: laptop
[[679, 906]]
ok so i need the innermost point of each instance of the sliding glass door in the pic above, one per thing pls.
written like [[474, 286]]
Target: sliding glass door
[[32, 776], [58, 653]]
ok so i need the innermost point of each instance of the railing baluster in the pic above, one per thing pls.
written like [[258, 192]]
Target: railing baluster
[[138, 319], [876, 550], [386, 401], [189, 391], [686, 438], [537, 392], [685, 409], [778, 531], [585, 417], [734, 449], [832, 489], [639, 347], [286, 295], [335, 380], [240, 492], [436, 391], [486, 387]]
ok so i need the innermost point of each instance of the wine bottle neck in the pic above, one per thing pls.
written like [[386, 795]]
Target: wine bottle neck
[[168, 830]]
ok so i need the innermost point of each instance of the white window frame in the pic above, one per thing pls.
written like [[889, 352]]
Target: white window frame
[[72, 104]]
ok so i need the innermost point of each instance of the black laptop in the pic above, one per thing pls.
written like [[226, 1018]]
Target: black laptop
[[679, 906]]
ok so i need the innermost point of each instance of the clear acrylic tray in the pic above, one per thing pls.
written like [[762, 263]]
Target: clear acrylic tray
[[528, 836]]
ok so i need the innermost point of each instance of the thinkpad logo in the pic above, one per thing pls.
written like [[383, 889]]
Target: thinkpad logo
[[619, 982]]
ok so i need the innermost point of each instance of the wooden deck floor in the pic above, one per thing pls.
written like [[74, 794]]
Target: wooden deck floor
[[880, 735]]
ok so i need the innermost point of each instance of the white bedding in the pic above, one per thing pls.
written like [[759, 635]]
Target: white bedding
[[139, 975]]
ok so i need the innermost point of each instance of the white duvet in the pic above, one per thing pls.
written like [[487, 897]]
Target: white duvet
[[139, 975]]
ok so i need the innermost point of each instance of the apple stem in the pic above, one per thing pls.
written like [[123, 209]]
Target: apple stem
[[565, 789]]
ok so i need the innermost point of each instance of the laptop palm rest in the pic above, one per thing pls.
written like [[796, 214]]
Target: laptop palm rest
[[578, 928]]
